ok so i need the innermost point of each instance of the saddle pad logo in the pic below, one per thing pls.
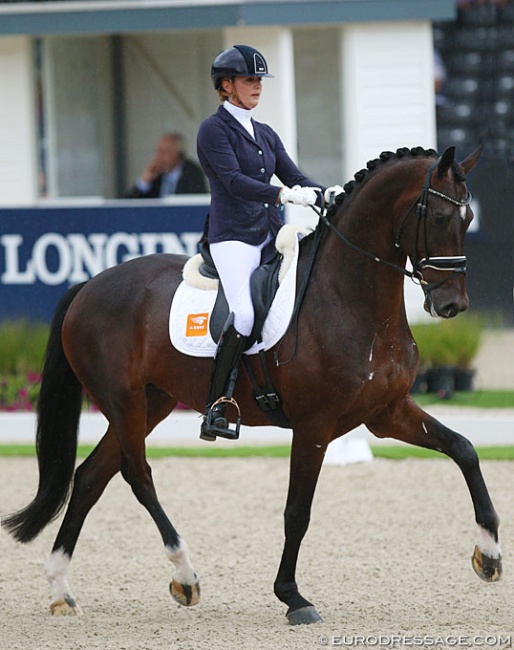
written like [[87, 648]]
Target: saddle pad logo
[[197, 324]]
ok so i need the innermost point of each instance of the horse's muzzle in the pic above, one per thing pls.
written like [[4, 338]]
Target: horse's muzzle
[[442, 305]]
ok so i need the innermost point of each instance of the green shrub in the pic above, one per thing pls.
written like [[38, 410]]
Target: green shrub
[[22, 346], [22, 349], [19, 392], [453, 342]]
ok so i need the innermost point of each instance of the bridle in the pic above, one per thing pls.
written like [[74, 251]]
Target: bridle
[[453, 264]]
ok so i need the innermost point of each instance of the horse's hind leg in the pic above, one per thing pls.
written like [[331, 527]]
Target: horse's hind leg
[[409, 423], [90, 480], [131, 424]]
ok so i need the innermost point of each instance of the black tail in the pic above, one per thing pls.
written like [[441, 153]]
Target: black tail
[[58, 409]]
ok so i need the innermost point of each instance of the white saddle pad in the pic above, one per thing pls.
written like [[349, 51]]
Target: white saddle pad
[[192, 306]]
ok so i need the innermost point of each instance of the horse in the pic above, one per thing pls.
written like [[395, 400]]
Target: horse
[[348, 358]]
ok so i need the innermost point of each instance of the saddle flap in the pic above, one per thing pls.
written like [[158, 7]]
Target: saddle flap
[[264, 284]]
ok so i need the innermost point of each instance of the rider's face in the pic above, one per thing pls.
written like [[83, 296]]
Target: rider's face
[[245, 91]]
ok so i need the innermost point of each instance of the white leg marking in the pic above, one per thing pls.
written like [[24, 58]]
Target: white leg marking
[[488, 545], [57, 575], [184, 572]]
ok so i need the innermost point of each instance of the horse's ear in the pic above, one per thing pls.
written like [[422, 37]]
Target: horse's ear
[[470, 162], [446, 161]]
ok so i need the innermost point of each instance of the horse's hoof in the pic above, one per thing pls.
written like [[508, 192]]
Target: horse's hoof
[[186, 595], [487, 568], [304, 616], [66, 607]]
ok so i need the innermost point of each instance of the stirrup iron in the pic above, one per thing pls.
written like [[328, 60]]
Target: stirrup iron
[[210, 430]]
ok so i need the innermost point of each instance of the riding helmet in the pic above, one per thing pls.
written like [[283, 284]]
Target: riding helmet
[[238, 61]]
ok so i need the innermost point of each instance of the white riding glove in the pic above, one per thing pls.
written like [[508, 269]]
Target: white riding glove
[[298, 195], [332, 191]]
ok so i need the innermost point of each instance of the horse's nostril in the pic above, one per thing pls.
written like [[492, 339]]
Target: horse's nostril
[[450, 311]]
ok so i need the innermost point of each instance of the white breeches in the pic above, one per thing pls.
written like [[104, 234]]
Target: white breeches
[[235, 262]]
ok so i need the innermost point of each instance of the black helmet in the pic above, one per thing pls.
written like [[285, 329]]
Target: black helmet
[[238, 61]]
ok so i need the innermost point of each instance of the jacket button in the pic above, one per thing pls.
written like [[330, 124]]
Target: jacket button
[[260, 152], [266, 205], [262, 170]]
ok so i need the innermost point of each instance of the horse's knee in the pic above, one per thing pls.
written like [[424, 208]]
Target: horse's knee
[[465, 454]]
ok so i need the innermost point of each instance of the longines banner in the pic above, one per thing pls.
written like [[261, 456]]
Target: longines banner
[[45, 250]]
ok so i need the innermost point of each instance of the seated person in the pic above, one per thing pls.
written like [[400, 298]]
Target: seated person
[[170, 172]]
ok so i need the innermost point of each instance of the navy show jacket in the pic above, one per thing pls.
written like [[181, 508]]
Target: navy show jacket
[[239, 169]]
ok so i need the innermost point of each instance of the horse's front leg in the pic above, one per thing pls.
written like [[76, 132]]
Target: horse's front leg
[[306, 461], [406, 421]]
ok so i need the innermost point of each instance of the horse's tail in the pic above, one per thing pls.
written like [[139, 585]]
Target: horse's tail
[[58, 409]]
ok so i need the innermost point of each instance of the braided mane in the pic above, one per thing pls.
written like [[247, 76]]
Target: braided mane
[[417, 152]]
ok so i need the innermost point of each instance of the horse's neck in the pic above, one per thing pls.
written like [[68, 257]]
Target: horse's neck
[[349, 278]]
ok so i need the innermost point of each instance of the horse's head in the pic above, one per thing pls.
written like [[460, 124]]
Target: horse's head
[[438, 224]]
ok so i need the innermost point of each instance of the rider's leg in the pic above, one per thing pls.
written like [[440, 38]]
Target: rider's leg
[[235, 262], [223, 377]]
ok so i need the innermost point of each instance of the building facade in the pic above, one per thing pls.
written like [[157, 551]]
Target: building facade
[[87, 87]]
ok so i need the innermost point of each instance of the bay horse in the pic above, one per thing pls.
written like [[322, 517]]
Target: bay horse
[[350, 359]]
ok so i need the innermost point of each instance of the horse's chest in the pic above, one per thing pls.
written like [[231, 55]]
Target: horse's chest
[[386, 359]]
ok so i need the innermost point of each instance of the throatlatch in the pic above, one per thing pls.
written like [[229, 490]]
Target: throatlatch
[[223, 380]]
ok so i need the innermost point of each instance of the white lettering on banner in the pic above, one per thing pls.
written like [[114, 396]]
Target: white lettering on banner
[[88, 256], [13, 274], [116, 242], [64, 255], [78, 257]]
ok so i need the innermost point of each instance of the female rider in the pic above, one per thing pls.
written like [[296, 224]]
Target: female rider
[[239, 157]]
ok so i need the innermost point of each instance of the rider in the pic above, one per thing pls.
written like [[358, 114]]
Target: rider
[[239, 156]]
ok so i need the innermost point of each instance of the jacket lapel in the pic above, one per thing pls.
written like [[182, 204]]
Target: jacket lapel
[[234, 124]]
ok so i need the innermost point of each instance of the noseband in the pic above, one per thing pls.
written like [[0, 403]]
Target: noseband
[[452, 264]]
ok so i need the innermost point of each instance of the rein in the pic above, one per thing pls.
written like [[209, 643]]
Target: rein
[[454, 264]]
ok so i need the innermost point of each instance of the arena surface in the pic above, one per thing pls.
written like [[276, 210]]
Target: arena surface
[[386, 561]]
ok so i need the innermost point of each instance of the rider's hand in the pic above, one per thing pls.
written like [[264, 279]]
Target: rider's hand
[[298, 195], [331, 192]]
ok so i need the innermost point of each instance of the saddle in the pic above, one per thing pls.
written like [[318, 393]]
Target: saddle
[[264, 283]]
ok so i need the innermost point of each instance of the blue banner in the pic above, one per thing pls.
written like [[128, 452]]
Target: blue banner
[[44, 250]]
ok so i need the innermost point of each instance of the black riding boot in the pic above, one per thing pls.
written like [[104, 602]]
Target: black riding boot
[[223, 379]]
